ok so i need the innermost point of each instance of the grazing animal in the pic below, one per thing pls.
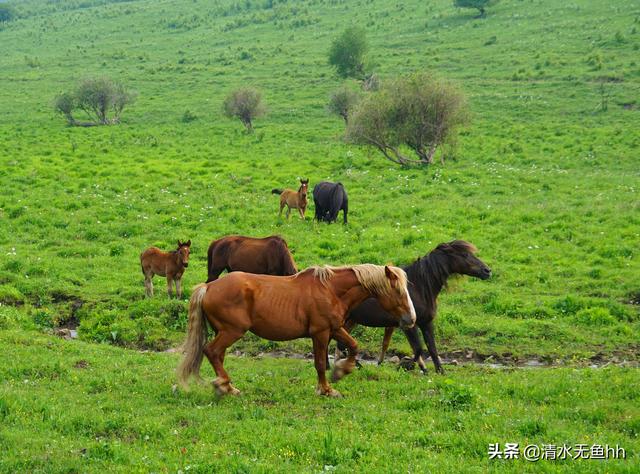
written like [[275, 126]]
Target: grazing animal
[[268, 256], [294, 200], [329, 199], [170, 264], [313, 303], [427, 276]]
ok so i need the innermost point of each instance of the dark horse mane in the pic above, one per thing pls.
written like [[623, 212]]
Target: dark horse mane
[[429, 274]]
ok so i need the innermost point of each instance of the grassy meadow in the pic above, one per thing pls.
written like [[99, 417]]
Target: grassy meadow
[[544, 181]]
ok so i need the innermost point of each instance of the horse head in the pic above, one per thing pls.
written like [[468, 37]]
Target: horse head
[[461, 259], [304, 188], [184, 248]]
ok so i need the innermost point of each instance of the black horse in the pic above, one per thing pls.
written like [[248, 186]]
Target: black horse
[[329, 198], [427, 276]]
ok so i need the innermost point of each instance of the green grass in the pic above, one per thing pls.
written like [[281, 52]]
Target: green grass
[[543, 181], [78, 407]]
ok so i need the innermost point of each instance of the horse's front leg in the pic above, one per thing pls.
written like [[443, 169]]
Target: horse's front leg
[[427, 332], [178, 281], [301, 212], [320, 342], [344, 366], [214, 351], [169, 284]]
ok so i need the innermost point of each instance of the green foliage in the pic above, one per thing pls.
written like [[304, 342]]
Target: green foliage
[[101, 99], [595, 317], [479, 5], [7, 12], [417, 111], [342, 101], [245, 104], [348, 51]]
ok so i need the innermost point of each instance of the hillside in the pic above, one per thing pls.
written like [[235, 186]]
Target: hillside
[[544, 181]]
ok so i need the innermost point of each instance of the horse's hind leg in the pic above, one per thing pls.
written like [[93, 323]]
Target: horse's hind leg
[[344, 366], [148, 285], [281, 206], [288, 211], [214, 351], [388, 332]]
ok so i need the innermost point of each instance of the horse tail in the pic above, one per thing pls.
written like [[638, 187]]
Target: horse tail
[[196, 337], [277, 191]]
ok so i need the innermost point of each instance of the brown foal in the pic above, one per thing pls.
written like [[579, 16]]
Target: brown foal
[[313, 303], [170, 264], [294, 199]]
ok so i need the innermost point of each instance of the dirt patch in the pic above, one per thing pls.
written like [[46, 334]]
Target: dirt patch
[[81, 364]]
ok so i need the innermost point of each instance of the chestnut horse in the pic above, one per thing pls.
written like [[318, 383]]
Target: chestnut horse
[[427, 276], [313, 303], [294, 200], [269, 256], [170, 264]]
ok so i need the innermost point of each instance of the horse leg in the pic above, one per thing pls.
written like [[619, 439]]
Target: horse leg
[[301, 212], [413, 336], [148, 285], [427, 332], [340, 346], [344, 366], [214, 351], [169, 288], [288, 211], [320, 342], [281, 207], [178, 288], [388, 332]]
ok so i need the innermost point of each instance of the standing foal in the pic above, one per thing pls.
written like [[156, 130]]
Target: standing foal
[[170, 264], [294, 200]]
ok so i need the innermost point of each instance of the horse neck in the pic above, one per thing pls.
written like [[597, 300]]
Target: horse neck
[[348, 289], [428, 276], [176, 258]]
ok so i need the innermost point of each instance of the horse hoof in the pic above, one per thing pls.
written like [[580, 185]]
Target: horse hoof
[[224, 388], [328, 393]]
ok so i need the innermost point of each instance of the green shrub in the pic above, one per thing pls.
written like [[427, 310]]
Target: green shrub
[[455, 396], [595, 317], [11, 296]]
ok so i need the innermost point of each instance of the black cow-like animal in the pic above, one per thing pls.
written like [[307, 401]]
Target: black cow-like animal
[[329, 198]]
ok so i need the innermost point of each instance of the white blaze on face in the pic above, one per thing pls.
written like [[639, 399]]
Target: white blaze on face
[[412, 310]]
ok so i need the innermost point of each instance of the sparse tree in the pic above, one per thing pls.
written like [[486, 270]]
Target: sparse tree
[[7, 13], [479, 5], [342, 101], [417, 114], [347, 52], [246, 104], [101, 99]]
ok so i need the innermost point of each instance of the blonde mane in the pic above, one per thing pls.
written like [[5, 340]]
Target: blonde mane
[[371, 277]]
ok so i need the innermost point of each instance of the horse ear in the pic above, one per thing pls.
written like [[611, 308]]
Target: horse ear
[[188, 243], [179, 243], [393, 278]]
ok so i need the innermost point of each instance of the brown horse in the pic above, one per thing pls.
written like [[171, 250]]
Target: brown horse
[[170, 264], [294, 200], [313, 303], [268, 256]]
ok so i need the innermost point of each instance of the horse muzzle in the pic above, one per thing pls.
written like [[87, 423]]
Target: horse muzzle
[[407, 321]]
